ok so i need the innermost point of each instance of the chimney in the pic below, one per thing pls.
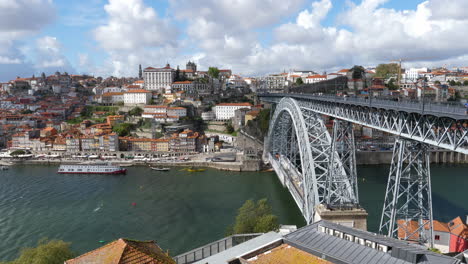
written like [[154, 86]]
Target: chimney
[[467, 219]]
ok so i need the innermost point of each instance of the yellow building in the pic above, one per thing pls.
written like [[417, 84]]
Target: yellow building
[[162, 145]]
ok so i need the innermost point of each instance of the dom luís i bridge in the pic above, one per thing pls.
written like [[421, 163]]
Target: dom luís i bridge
[[319, 168]]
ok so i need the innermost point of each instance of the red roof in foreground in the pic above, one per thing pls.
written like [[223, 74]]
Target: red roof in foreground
[[125, 251]]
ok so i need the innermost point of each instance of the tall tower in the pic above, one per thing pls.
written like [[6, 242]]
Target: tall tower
[[191, 66], [140, 73]]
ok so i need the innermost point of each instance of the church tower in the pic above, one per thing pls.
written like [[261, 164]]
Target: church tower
[[140, 73]]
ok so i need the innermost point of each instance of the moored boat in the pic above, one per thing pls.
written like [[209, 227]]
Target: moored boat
[[91, 168], [160, 169], [195, 169]]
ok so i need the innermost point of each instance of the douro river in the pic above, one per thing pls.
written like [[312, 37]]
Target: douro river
[[178, 209]]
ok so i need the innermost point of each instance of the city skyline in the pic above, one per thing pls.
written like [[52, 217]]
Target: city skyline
[[113, 37]]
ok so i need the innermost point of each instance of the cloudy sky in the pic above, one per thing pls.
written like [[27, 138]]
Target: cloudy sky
[[252, 37]]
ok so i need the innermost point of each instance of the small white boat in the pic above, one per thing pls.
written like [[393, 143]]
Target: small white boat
[[160, 169]]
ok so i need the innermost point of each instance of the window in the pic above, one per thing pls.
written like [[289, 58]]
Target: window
[[437, 237]]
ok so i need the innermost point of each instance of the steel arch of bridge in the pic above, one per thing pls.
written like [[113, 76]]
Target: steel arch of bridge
[[444, 130], [299, 137]]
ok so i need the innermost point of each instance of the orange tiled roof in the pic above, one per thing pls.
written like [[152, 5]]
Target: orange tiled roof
[[408, 228], [234, 104], [458, 228], [112, 94], [155, 106], [138, 91], [317, 76], [286, 254], [125, 251]]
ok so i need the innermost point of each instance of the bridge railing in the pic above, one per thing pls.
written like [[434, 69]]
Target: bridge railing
[[405, 105]]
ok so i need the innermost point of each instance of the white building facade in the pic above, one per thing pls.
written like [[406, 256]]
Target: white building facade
[[226, 111], [134, 97], [157, 79], [315, 78], [415, 73]]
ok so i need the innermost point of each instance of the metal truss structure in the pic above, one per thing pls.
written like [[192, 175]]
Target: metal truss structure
[[407, 211], [442, 126], [300, 150], [328, 167], [343, 146]]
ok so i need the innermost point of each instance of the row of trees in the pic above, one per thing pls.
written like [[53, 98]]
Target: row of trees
[[454, 83]]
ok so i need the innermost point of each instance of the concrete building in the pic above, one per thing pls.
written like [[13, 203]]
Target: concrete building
[[111, 98], [163, 113], [321, 242], [226, 111], [137, 96], [315, 78], [448, 237], [157, 79], [208, 116], [415, 73], [276, 82]]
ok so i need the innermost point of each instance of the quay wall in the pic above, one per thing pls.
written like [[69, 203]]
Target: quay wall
[[385, 157], [246, 165]]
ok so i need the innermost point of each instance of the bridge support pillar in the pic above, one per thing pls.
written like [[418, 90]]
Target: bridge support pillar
[[342, 185], [407, 211], [355, 216]]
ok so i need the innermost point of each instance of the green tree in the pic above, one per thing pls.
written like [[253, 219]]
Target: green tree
[[358, 72], [213, 72], [391, 84], [18, 152], [386, 70], [123, 129], [26, 111], [254, 218], [452, 83], [229, 128], [137, 111], [46, 252], [299, 81], [437, 82], [465, 83]]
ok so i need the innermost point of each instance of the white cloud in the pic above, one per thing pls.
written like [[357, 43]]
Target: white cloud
[[228, 33], [225, 30], [454, 9], [19, 20], [134, 34], [6, 60], [22, 16], [373, 35], [49, 55]]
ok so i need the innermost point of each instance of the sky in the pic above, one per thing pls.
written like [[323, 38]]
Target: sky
[[251, 37]]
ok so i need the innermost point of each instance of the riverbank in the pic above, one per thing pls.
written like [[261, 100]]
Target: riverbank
[[385, 157], [246, 165]]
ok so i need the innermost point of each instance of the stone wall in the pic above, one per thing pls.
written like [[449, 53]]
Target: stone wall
[[385, 157], [245, 141]]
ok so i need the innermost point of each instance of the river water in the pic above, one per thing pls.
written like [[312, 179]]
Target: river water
[[179, 210]]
